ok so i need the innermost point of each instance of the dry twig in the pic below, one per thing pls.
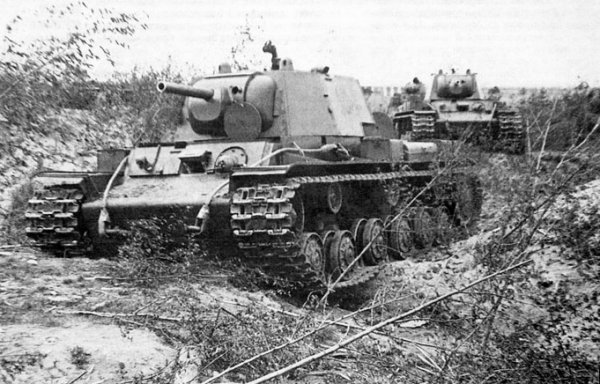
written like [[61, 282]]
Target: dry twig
[[122, 315], [81, 375], [380, 325]]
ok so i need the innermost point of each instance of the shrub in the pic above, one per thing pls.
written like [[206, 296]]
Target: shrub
[[12, 229]]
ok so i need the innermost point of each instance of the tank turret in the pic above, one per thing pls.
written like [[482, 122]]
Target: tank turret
[[455, 86], [280, 103]]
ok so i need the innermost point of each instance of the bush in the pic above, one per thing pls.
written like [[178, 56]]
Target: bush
[[42, 75], [152, 255], [567, 117], [79, 357], [149, 115], [12, 229]]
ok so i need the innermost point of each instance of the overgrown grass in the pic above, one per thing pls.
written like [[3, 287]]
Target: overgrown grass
[[546, 349], [151, 255], [12, 228], [558, 122]]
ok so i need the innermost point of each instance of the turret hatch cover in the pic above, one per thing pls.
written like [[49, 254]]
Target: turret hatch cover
[[242, 122]]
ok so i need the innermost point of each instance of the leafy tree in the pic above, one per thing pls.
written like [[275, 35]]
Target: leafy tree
[[36, 75], [132, 98]]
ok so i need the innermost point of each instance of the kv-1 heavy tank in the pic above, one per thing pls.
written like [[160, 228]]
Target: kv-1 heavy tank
[[455, 110], [287, 166]]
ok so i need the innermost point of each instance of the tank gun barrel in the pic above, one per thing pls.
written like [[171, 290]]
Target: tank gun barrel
[[185, 90]]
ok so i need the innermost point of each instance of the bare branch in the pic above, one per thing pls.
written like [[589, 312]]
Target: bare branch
[[548, 123], [123, 315], [380, 325]]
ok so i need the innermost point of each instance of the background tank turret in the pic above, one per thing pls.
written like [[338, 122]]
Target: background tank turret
[[455, 110], [288, 166]]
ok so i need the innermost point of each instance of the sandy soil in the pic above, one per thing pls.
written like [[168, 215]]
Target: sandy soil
[[43, 299], [43, 305]]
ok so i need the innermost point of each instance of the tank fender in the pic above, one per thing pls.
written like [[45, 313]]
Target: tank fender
[[89, 184], [379, 149], [47, 181]]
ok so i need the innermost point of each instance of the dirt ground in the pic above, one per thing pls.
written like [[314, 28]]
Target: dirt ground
[[40, 341], [65, 319]]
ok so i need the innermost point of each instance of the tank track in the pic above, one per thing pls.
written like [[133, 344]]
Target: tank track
[[54, 221], [423, 125], [261, 221], [262, 226], [511, 132]]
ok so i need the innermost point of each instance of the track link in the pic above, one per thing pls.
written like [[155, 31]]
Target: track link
[[54, 220], [423, 125], [511, 132]]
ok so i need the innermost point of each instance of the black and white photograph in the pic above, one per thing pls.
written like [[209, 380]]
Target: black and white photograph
[[300, 192]]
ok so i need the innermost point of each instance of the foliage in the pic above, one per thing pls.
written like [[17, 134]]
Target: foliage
[[498, 345], [11, 229], [231, 338], [153, 254], [12, 365], [245, 53], [518, 360], [39, 75], [79, 357], [579, 231], [557, 121], [133, 100]]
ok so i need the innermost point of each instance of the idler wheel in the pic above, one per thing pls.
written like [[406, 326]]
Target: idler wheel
[[373, 232], [313, 252], [334, 197], [423, 227], [340, 251], [443, 230], [400, 238]]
